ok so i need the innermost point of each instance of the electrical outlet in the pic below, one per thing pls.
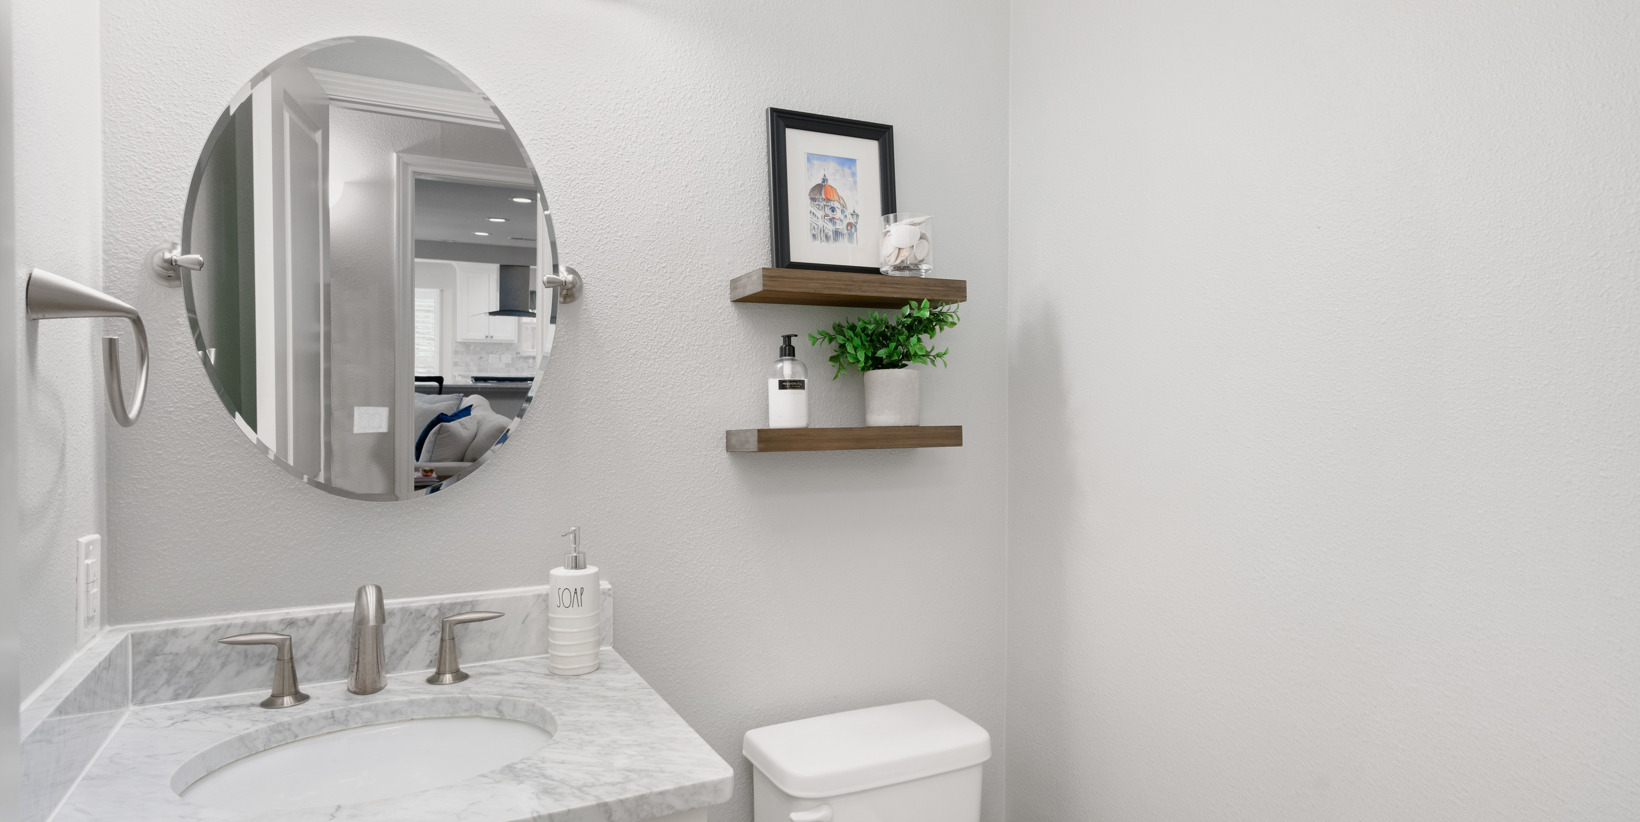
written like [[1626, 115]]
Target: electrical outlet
[[88, 602]]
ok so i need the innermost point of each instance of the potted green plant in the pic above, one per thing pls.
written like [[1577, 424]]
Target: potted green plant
[[882, 347]]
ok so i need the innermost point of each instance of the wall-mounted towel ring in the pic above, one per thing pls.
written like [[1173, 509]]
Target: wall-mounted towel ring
[[51, 297]]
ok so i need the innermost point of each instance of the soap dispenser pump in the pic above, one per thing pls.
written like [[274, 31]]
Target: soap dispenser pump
[[576, 561], [575, 608], [788, 388]]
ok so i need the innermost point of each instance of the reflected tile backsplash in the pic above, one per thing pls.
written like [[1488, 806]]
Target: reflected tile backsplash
[[488, 359]]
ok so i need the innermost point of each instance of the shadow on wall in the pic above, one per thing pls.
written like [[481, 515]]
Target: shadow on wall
[[42, 452], [1045, 528]]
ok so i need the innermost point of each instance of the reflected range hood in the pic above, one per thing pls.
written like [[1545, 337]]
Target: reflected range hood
[[515, 292]]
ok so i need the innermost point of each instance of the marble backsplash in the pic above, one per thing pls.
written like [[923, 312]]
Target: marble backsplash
[[183, 660]]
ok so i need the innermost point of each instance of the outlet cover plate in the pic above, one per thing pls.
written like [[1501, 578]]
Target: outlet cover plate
[[88, 585]]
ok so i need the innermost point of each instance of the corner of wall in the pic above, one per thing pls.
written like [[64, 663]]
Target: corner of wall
[[57, 94], [10, 683]]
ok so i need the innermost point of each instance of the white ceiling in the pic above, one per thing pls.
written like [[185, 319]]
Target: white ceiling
[[388, 62], [451, 212]]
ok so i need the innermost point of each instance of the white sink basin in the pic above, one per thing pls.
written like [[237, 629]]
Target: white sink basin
[[362, 764]]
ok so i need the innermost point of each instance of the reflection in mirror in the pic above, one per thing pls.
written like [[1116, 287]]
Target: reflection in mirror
[[371, 310]]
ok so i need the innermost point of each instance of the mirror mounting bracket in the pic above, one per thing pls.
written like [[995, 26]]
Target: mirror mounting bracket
[[568, 283], [166, 261]]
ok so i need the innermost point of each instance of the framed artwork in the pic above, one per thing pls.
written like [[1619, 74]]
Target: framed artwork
[[831, 181]]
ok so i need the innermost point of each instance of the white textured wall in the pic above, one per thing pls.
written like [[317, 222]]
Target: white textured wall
[[754, 588], [10, 318], [58, 181], [1325, 487]]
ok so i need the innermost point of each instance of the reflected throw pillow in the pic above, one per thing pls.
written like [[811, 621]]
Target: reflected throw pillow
[[429, 406], [434, 423], [490, 429], [449, 440]]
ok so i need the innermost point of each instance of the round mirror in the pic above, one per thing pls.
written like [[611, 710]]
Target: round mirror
[[371, 306]]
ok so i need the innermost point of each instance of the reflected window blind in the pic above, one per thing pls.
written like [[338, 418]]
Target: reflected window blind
[[427, 328]]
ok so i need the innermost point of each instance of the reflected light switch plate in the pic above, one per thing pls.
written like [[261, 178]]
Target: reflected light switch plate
[[369, 419]]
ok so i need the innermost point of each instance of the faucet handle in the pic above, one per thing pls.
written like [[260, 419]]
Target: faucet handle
[[449, 670], [280, 640], [286, 692], [469, 616]]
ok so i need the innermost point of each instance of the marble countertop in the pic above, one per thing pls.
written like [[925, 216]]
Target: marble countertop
[[619, 753]]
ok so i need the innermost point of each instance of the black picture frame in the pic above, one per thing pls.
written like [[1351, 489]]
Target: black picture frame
[[779, 195]]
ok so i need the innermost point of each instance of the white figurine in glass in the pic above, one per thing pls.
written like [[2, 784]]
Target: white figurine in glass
[[908, 245]]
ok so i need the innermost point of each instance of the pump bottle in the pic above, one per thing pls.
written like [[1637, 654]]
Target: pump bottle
[[788, 389], [575, 610]]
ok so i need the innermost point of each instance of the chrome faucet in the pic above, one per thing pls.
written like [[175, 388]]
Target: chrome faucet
[[368, 672]]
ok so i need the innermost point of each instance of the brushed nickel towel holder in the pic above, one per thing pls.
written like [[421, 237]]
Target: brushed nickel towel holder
[[51, 297]]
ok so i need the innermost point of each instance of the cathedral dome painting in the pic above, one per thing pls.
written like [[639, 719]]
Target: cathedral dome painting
[[831, 219], [824, 191]]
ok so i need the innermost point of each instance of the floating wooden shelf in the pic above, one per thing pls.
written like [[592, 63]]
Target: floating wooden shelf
[[842, 439], [792, 286]]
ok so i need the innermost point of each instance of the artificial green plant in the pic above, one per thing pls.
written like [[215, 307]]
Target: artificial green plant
[[878, 342]]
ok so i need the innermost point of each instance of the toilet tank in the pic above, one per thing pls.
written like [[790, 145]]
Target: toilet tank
[[910, 762]]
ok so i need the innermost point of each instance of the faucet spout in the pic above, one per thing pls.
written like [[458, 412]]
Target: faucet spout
[[368, 672]]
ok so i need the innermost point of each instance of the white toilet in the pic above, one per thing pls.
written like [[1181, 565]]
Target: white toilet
[[911, 762]]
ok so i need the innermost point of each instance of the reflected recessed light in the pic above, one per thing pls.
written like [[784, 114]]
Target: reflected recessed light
[[498, 219], [522, 200], [482, 233]]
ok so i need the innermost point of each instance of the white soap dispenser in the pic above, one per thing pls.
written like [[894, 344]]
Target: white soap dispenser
[[788, 388], [575, 609]]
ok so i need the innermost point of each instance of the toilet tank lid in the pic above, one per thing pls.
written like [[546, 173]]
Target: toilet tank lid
[[869, 748]]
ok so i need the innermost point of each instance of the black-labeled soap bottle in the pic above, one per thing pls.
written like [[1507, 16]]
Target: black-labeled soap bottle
[[788, 389]]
